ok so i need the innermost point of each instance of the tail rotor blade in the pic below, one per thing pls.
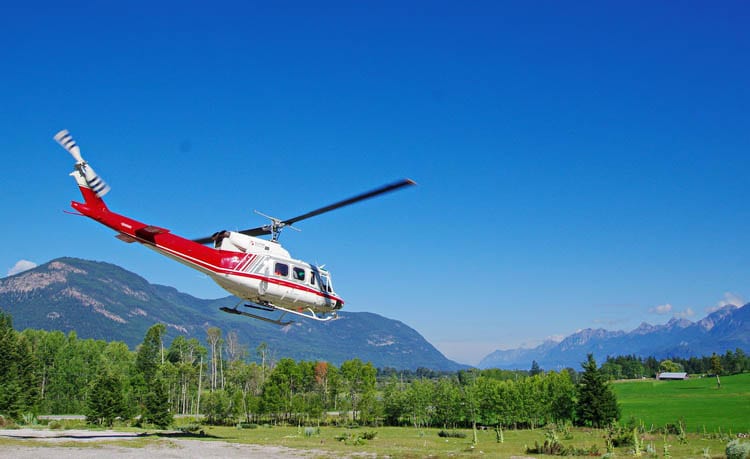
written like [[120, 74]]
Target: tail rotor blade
[[66, 141], [97, 185]]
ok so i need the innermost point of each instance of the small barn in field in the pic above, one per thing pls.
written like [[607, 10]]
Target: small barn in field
[[671, 376]]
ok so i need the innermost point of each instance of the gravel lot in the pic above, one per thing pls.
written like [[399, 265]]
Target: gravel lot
[[162, 448]]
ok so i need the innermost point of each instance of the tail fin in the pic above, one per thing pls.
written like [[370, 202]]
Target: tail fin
[[91, 185]]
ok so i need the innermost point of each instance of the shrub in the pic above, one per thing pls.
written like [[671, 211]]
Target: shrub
[[451, 434], [29, 419], [55, 425], [738, 450], [189, 428], [351, 439]]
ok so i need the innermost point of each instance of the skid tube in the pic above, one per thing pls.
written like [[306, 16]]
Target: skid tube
[[284, 311]]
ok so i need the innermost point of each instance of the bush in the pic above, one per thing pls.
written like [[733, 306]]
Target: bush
[[738, 450], [30, 419], [189, 428], [55, 425], [451, 434], [350, 439]]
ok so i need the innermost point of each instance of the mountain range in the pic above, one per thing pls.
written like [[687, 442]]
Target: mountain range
[[103, 301], [725, 329]]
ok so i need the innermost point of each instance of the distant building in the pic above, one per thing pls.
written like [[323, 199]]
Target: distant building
[[671, 375]]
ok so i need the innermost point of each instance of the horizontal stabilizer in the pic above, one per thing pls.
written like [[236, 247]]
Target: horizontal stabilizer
[[125, 238]]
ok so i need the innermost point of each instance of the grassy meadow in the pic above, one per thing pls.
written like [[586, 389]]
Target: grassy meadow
[[712, 416], [698, 402], [406, 442]]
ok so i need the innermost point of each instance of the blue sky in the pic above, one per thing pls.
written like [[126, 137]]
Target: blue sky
[[579, 164]]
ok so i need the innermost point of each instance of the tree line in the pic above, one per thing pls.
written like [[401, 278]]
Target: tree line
[[49, 372], [632, 367]]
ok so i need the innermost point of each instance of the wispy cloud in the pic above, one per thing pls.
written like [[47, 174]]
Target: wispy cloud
[[661, 309], [685, 314], [21, 266], [729, 298]]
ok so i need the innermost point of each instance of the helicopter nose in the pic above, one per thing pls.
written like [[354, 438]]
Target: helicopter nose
[[339, 304]]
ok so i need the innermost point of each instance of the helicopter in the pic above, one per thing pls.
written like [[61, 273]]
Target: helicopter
[[260, 272]]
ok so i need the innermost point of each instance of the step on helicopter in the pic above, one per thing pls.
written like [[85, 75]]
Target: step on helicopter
[[258, 271]]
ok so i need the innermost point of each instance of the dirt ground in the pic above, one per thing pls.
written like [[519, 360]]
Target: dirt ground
[[164, 448]]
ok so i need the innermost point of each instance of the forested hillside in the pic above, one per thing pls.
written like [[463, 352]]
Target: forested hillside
[[103, 301]]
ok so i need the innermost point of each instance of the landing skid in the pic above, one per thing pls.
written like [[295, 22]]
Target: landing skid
[[309, 314], [255, 316]]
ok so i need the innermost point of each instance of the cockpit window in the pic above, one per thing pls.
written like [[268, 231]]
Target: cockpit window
[[281, 269], [325, 283], [298, 274]]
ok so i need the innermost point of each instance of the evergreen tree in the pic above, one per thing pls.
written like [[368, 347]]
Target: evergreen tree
[[597, 404], [149, 381], [535, 369], [18, 387], [150, 353], [106, 401], [156, 408]]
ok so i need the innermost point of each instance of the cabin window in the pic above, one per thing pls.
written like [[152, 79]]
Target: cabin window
[[312, 278], [298, 274], [281, 269]]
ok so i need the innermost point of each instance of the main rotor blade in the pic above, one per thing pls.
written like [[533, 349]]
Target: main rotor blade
[[361, 197], [204, 240], [263, 230]]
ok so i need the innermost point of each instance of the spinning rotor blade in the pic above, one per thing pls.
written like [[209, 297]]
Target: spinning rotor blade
[[94, 182], [361, 197], [276, 225], [204, 240], [66, 141], [268, 229]]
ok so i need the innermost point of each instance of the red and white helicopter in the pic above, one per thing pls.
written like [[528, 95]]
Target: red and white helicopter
[[259, 271]]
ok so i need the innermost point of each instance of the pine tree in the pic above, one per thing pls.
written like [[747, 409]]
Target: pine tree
[[148, 380], [18, 387], [156, 410], [535, 368], [597, 404], [106, 400]]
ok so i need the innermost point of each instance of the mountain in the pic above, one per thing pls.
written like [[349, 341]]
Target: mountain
[[103, 301], [725, 329]]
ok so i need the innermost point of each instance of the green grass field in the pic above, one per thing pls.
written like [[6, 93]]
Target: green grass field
[[406, 442], [697, 401]]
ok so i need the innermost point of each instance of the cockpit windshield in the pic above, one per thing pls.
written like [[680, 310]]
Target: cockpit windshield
[[324, 280]]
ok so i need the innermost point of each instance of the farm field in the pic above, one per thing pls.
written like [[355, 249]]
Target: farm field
[[697, 401]]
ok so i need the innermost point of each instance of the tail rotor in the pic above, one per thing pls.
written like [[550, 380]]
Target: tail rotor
[[92, 180]]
